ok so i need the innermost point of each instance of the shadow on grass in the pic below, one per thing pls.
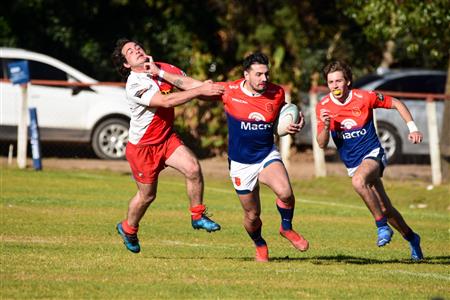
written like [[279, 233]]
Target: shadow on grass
[[346, 259]]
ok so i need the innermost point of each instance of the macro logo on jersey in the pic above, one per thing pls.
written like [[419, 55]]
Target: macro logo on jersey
[[348, 124], [255, 126]]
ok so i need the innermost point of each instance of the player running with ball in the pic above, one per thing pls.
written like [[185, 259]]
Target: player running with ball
[[347, 114], [252, 105]]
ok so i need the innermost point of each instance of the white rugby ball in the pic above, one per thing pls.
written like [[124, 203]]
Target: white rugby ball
[[288, 115]]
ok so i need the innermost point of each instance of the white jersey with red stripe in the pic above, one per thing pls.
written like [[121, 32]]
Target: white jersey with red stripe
[[149, 125], [251, 120], [351, 125]]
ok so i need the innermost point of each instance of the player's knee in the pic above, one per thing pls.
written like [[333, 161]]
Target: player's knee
[[193, 170], [359, 183], [252, 217]]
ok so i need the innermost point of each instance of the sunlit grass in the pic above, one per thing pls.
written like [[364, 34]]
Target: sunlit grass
[[58, 241]]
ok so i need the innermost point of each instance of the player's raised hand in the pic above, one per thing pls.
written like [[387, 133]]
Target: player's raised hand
[[325, 117], [415, 137], [150, 66]]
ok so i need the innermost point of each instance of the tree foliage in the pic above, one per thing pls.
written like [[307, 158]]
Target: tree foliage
[[209, 39]]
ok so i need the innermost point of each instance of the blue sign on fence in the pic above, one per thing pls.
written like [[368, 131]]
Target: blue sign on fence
[[35, 139], [18, 72]]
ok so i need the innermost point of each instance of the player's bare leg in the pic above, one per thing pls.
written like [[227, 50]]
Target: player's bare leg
[[137, 207], [397, 221], [184, 160], [251, 205], [276, 178], [363, 180]]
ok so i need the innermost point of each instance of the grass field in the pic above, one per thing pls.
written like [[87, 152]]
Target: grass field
[[58, 241]]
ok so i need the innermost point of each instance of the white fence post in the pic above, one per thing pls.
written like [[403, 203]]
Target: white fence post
[[286, 141], [435, 152], [22, 129], [318, 153]]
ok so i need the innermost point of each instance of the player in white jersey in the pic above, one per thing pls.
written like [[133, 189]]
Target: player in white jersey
[[153, 143]]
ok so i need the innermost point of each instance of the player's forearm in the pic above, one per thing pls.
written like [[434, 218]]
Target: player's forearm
[[402, 110], [174, 99], [323, 137], [180, 81]]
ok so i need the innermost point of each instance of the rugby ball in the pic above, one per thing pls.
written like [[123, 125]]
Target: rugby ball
[[288, 115]]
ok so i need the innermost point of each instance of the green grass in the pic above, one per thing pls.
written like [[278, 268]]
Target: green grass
[[58, 241]]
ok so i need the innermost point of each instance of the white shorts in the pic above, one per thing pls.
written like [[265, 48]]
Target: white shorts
[[245, 176], [375, 154]]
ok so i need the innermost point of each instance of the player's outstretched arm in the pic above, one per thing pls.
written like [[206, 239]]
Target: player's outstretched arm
[[414, 136], [206, 88], [180, 81]]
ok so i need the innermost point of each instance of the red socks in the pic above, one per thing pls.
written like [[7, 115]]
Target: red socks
[[129, 229], [197, 211]]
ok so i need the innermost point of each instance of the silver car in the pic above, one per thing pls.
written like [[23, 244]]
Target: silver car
[[391, 128]]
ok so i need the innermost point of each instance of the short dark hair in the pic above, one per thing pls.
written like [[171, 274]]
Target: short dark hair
[[118, 59], [255, 58], [338, 66]]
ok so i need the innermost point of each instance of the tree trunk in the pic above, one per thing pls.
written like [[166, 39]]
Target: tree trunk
[[445, 134]]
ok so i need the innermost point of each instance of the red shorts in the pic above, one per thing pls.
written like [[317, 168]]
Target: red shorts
[[147, 161]]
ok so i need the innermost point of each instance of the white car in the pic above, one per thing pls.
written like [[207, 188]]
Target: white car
[[95, 114]]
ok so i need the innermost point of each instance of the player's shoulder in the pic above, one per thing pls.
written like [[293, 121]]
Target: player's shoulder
[[325, 100], [361, 93], [231, 85], [166, 67]]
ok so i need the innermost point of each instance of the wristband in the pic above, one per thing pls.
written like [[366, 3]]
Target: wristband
[[161, 74], [412, 126]]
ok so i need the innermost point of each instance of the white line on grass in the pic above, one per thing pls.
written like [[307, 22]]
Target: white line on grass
[[314, 202]]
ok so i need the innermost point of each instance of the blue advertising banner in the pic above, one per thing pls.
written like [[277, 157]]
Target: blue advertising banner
[[18, 72], [35, 139]]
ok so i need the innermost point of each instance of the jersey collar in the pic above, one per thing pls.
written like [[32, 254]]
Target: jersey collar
[[247, 92], [337, 102]]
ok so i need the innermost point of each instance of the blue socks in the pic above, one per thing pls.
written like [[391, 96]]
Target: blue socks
[[286, 214]]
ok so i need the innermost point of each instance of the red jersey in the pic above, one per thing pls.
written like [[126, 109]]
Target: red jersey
[[149, 125], [251, 120]]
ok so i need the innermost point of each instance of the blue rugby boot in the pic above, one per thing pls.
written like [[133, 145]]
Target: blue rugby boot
[[205, 223], [416, 251], [131, 241], [385, 234]]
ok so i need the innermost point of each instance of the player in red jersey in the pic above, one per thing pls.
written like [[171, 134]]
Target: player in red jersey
[[252, 105], [153, 143], [347, 114]]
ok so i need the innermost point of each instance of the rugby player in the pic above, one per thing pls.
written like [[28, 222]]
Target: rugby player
[[252, 105], [152, 142], [347, 114]]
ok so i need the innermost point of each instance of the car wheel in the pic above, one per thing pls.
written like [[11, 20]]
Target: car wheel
[[390, 141], [110, 139]]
